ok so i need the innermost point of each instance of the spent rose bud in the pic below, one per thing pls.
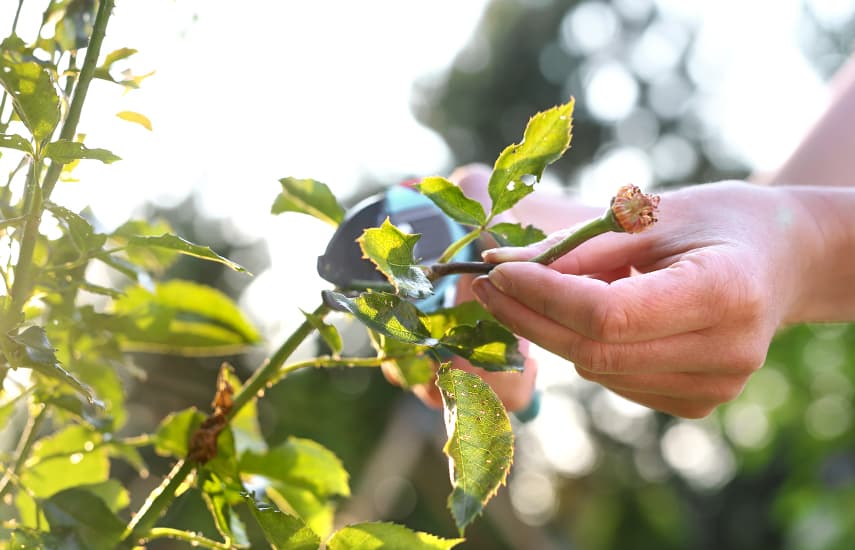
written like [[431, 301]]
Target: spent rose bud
[[633, 210]]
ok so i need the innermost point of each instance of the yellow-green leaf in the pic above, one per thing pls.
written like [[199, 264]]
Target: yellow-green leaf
[[547, 136], [14, 141], [514, 234], [480, 444], [329, 334], [182, 246], [65, 151], [183, 318], [386, 536], [487, 344], [391, 251], [308, 196], [451, 200], [136, 118], [387, 314], [34, 95], [283, 531]]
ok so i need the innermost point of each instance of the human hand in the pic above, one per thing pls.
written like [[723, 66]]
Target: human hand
[[714, 280]]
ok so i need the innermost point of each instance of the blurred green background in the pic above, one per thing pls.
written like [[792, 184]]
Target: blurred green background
[[773, 469]]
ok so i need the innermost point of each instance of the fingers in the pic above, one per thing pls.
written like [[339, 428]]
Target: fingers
[[683, 297], [693, 351], [700, 387], [683, 408]]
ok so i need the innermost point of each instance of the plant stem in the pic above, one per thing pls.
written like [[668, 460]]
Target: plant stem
[[595, 227], [270, 369], [143, 521], [458, 245], [17, 15], [90, 62], [28, 438], [29, 232], [437, 271], [186, 536]]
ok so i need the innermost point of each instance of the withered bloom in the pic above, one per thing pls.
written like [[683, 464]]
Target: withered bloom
[[633, 210]]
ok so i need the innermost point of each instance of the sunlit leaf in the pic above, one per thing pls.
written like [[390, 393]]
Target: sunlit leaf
[[111, 492], [65, 151], [182, 246], [488, 345], [153, 258], [183, 317], [387, 314], [219, 499], [73, 24], [514, 234], [116, 55], [391, 251], [451, 200], [173, 434], [410, 370], [308, 196], [480, 444], [546, 137], [466, 313], [14, 141], [70, 457], [33, 94], [82, 234], [386, 536], [136, 118], [31, 348], [316, 512], [283, 531], [329, 333], [86, 515], [302, 463]]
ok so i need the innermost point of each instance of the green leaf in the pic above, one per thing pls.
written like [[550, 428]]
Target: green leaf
[[302, 463], [283, 531], [308, 196], [184, 318], [387, 314], [480, 444], [488, 345], [116, 55], [466, 313], [386, 536], [219, 499], [136, 118], [182, 246], [514, 234], [33, 93], [546, 137], [86, 515], [411, 370], [451, 200], [14, 141], [31, 348], [65, 151], [391, 251], [328, 333], [80, 231], [153, 258], [173, 435], [316, 512]]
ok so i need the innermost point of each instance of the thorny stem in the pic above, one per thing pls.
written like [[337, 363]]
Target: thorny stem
[[143, 521], [90, 62], [28, 438], [186, 536]]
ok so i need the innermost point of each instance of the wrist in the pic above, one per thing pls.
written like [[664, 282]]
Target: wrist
[[823, 253]]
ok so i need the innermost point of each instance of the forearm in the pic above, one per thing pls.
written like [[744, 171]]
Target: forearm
[[825, 156], [825, 229]]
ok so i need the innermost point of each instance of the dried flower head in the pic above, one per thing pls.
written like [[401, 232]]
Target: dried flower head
[[633, 210]]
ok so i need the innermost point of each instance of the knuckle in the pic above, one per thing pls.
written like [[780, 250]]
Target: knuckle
[[608, 322], [597, 357]]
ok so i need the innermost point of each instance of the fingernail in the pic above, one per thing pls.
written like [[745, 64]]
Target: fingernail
[[479, 288], [498, 255], [499, 279]]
